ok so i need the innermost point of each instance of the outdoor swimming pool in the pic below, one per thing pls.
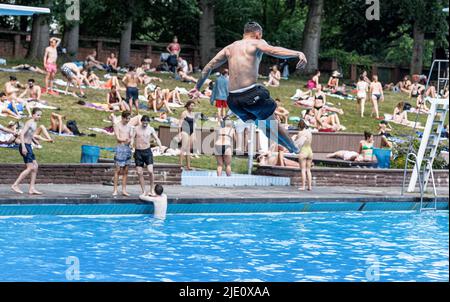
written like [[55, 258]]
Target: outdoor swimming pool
[[351, 246]]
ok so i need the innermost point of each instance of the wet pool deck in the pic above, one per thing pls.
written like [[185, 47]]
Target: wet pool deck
[[100, 194]]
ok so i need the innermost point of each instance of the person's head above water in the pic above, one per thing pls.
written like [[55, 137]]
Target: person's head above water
[[253, 29], [159, 190]]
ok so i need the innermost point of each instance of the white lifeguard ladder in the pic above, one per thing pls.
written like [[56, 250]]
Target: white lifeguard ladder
[[424, 156]]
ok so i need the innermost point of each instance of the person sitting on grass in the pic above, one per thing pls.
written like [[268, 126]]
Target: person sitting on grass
[[172, 96], [281, 113], [147, 65], [115, 101], [421, 105], [111, 62], [405, 85], [400, 115], [93, 79], [384, 130], [274, 77], [333, 81], [310, 118], [182, 76], [156, 101], [314, 81], [4, 104], [32, 92], [8, 135], [58, 125], [159, 202], [182, 63], [416, 87], [92, 62]]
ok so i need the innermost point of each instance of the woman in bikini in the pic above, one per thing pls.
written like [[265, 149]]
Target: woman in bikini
[[361, 95], [366, 147], [400, 116], [223, 147], [376, 94]]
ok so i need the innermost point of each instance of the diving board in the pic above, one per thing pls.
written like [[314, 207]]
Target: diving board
[[20, 10]]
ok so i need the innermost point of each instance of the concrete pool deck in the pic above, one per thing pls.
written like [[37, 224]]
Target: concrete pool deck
[[101, 194]]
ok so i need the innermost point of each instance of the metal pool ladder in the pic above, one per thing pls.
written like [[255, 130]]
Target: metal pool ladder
[[424, 156]]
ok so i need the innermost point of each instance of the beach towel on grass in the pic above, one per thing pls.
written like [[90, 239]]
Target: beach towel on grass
[[34, 104], [62, 134], [11, 146], [96, 106], [341, 97], [9, 70]]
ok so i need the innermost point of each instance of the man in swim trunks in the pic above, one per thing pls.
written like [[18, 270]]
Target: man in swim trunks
[[25, 149], [73, 75], [247, 99], [143, 155], [131, 81], [122, 160], [50, 58]]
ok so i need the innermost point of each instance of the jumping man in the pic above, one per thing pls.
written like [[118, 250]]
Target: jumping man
[[247, 99]]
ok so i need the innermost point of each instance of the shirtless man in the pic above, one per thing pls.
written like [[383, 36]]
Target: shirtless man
[[25, 149], [124, 133], [32, 92], [50, 58], [247, 99], [92, 61], [12, 88], [131, 81], [112, 63], [73, 75], [143, 154], [159, 202]]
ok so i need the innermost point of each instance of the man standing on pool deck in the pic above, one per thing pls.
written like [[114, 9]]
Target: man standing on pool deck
[[122, 160], [50, 58], [247, 99], [143, 154], [25, 149], [131, 81]]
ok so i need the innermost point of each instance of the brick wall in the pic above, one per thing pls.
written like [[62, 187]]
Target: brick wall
[[165, 174], [350, 177]]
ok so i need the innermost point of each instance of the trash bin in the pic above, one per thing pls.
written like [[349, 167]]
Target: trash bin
[[89, 154], [383, 158]]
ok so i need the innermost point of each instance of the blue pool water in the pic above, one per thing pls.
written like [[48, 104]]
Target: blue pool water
[[371, 246]]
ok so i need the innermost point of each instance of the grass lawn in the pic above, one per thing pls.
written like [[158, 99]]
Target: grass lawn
[[68, 149]]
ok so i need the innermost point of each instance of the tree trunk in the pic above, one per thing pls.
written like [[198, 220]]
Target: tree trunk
[[417, 56], [35, 37], [71, 39], [44, 38], [311, 35], [125, 43], [207, 32]]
